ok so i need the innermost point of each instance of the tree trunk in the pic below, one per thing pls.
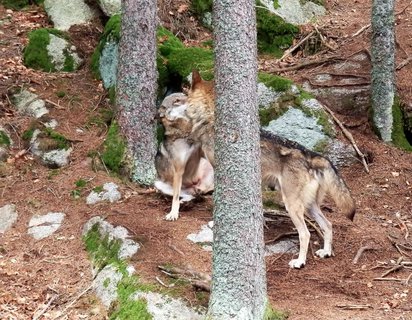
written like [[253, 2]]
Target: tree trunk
[[383, 66], [239, 277], [137, 86]]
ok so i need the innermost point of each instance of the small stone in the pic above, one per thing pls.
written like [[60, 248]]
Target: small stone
[[43, 226], [8, 216]]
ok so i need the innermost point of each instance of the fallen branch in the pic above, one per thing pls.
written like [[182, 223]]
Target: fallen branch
[[393, 269], [323, 40], [403, 63], [360, 252], [349, 136], [361, 30], [354, 306], [57, 106], [389, 279], [332, 85], [282, 235], [289, 51], [307, 64], [198, 280]]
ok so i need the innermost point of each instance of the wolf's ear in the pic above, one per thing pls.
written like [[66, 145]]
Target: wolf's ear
[[196, 78]]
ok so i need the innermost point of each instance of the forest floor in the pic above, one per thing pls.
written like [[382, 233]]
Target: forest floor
[[56, 270]]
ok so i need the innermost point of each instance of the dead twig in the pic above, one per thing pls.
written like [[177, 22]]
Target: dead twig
[[354, 306], [57, 106], [349, 136], [81, 294], [47, 306], [162, 283], [282, 235], [323, 40], [201, 285], [403, 63], [291, 50], [361, 30], [408, 279], [393, 269], [171, 246], [360, 252], [333, 85]]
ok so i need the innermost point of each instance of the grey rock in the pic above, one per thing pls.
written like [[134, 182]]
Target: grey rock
[[294, 12], [52, 124], [108, 63], [341, 154], [110, 7], [53, 159], [105, 284], [128, 247], [282, 247], [43, 226], [162, 307], [65, 14], [4, 154], [296, 126], [204, 235], [30, 104], [8, 216], [266, 96], [110, 194], [58, 49]]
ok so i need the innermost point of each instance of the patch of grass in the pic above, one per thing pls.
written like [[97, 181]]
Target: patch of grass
[[69, 64], [62, 142], [15, 4], [104, 252], [200, 7], [321, 146], [279, 84], [98, 189], [35, 54], [52, 173], [60, 94], [272, 314], [114, 148], [398, 133], [101, 250], [274, 35], [28, 134], [167, 42], [102, 119], [4, 139], [81, 183], [126, 307]]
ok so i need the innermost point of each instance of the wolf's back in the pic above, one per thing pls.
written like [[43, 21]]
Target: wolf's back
[[334, 185]]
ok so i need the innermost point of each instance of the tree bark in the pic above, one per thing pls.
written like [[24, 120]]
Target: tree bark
[[137, 86], [383, 66], [239, 277]]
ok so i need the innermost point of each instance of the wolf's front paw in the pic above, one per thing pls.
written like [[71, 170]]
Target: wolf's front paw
[[296, 263], [172, 216], [322, 253]]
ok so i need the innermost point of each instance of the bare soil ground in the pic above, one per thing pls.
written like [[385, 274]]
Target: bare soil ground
[[56, 270]]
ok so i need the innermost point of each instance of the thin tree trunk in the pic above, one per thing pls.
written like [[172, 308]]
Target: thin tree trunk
[[383, 66], [239, 277], [137, 85]]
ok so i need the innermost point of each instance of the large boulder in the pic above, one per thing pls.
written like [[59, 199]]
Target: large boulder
[[295, 11], [50, 50], [65, 14]]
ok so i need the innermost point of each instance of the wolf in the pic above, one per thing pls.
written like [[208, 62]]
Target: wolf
[[182, 170], [302, 177]]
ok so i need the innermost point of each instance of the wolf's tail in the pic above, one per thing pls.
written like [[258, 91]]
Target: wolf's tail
[[334, 185]]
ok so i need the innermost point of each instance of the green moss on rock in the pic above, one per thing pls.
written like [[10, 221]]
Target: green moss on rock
[[114, 148], [35, 54], [4, 139], [15, 4], [183, 61], [279, 84], [274, 35], [398, 133]]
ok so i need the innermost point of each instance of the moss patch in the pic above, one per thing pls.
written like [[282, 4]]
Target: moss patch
[[279, 84], [272, 314], [61, 141], [35, 55], [274, 111], [274, 35], [398, 133], [15, 4], [103, 252], [111, 33], [114, 148], [183, 61], [4, 139]]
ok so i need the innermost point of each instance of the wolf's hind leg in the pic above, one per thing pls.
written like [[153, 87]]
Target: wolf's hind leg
[[326, 227]]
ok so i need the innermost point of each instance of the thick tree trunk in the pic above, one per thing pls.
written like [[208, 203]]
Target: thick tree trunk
[[239, 278], [383, 66], [137, 85]]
